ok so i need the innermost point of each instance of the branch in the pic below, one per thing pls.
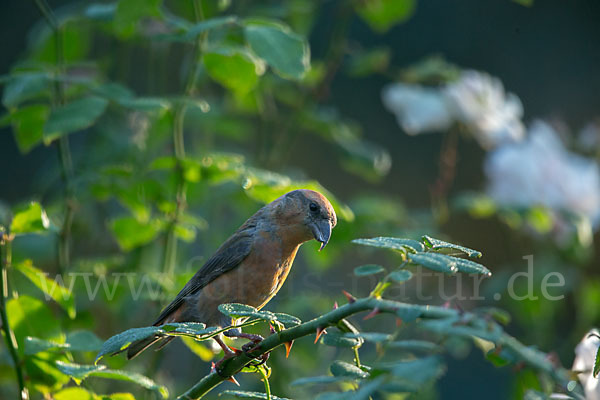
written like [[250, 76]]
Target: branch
[[170, 253], [9, 336], [235, 364], [64, 152]]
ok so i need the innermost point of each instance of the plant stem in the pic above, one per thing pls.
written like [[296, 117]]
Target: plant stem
[[9, 336], [233, 365], [170, 252], [62, 144], [265, 379]]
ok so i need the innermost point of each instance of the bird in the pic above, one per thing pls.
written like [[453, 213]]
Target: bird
[[250, 267]]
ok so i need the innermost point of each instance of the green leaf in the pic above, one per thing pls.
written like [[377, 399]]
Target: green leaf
[[418, 372], [440, 244], [287, 53], [337, 339], [28, 125], [80, 372], [381, 15], [409, 312], [122, 340], [130, 12], [74, 116], [369, 269], [470, 267], [51, 288], [405, 245], [130, 233], [235, 69], [341, 368], [249, 395], [76, 341], [30, 219], [29, 316], [73, 393], [24, 86], [287, 320], [375, 337], [400, 276], [435, 262], [204, 26]]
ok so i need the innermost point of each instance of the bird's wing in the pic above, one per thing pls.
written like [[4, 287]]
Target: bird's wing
[[228, 256]]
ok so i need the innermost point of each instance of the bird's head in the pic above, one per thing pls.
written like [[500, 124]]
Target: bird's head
[[308, 212]]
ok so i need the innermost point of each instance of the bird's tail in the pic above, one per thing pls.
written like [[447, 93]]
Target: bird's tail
[[136, 348]]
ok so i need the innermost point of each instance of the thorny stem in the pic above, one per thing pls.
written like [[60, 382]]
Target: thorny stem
[[230, 367], [9, 336], [170, 252], [62, 145]]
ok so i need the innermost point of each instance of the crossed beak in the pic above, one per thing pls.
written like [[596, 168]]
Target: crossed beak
[[321, 230]]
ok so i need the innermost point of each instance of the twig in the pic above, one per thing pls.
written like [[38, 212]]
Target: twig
[[9, 336], [62, 145], [235, 364], [170, 252]]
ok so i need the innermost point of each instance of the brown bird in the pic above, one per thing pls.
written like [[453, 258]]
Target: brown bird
[[251, 266]]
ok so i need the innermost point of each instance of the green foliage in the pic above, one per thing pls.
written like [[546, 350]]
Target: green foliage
[[249, 395], [30, 219], [73, 117]]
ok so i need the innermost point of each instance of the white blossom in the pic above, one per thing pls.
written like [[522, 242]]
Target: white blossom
[[418, 109], [585, 356], [480, 102], [541, 171]]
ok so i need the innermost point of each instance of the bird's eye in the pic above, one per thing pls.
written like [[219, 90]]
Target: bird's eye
[[313, 207]]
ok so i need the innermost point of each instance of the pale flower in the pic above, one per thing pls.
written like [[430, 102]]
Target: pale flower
[[541, 171], [585, 356], [479, 101], [418, 109]]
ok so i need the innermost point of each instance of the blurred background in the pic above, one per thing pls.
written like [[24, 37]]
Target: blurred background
[[148, 138]]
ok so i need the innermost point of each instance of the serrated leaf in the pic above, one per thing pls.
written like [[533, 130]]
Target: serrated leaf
[[74, 116], [337, 339], [51, 288], [31, 219], [400, 276], [369, 269], [435, 262], [341, 368], [405, 245], [286, 52], [80, 372], [249, 395], [440, 244], [236, 310]]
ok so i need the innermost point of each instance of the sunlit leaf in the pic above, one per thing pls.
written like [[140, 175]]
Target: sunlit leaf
[[286, 52], [120, 341], [440, 244], [51, 288], [30, 219], [79, 372], [76, 341], [74, 116], [381, 15], [236, 69], [73, 393], [131, 233]]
